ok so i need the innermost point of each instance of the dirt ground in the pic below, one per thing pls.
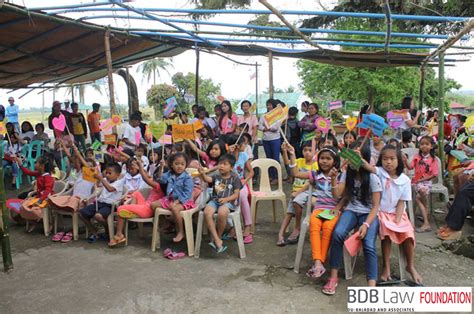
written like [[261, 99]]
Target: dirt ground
[[78, 277]]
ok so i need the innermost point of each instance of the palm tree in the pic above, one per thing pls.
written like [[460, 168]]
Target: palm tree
[[97, 85], [153, 67]]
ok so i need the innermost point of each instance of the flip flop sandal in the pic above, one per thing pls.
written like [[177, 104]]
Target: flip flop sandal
[[281, 243], [222, 249], [127, 214], [315, 272], [92, 238], [419, 230], [103, 237], [248, 239], [175, 255], [212, 244], [411, 283], [330, 286], [67, 238], [389, 282], [293, 241], [167, 252], [226, 236], [117, 241], [57, 237]]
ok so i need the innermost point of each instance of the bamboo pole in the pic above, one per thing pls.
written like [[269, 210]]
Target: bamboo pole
[[108, 57], [196, 96], [256, 89], [4, 234], [441, 111], [270, 74], [422, 89]]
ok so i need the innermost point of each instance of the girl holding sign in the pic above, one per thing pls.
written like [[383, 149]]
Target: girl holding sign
[[307, 124], [228, 119], [271, 139]]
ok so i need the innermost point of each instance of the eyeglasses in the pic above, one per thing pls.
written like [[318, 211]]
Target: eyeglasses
[[11, 99]]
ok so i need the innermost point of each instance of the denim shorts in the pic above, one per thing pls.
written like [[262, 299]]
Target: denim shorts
[[300, 199], [215, 205]]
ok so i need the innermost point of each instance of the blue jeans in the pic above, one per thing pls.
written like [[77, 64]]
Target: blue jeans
[[13, 165], [272, 151], [348, 221]]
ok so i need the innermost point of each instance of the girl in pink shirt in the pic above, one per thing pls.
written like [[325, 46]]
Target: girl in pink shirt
[[228, 119], [426, 169]]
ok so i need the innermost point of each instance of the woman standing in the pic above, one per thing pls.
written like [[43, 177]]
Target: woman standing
[[271, 140], [307, 123], [409, 121], [228, 119], [252, 122]]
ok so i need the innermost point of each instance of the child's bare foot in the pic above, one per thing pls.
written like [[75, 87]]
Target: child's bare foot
[[385, 276], [424, 228], [281, 241], [31, 227], [415, 276], [219, 243], [179, 237], [294, 236], [247, 230]]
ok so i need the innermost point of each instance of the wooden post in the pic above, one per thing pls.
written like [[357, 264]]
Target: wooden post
[[72, 94], [196, 96], [108, 57], [422, 89], [441, 110], [256, 89], [4, 235], [270, 74], [130, 111]]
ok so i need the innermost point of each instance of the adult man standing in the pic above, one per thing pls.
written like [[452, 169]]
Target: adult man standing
[[56, 112], [67, 107], [79, 127], [93, 119], [11, 113]]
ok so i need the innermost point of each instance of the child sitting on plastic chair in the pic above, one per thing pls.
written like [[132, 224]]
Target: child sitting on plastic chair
[[226, 191]]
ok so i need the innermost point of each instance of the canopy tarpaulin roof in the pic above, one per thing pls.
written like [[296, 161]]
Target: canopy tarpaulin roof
[[40, 48]]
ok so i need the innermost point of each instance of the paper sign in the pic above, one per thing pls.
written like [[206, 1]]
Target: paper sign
[[309, 136], [165, 140], [96, 145], [322, 124], [99, 156], [108, 124], [171, 103], [253, 108], [197, 125], [460, 139], [138, 137], [374, 122], [38, 202], [59, 123], [395, 118], [110, 139], [148, 135], [352, 157], [469, 124], [220, 98], [158, 129], [459, 155], [3, 129], [326, 214], [333, 105], [353, 244], [183, 132], [352, 106], [351, 123], [88, 174], [189, 98], [278, 114]]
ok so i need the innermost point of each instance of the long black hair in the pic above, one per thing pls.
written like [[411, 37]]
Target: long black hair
[[221, 145], [228, 113], [432, 142], [400, 165], [173, 157], [333, 151], [363, 194]]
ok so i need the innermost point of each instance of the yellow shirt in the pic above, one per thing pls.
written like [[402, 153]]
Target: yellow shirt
[[303, 167]]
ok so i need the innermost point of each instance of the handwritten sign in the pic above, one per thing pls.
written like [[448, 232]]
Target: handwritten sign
[[3, 129], [165, 140], [158, 129], [198, 125], [333, 105], [108, 124], [395, 118], [351, 123], [99, 156], [96, 145], [183, 132], [309, 136], [278, 114], [352, 157], [59, 123], [352, 106], [322, 124], [88, 174], [374, 122], [110, 139], [171, 104], [460, 139], [469, 124]]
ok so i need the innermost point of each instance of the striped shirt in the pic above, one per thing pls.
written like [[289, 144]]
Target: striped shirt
[[322, 191]]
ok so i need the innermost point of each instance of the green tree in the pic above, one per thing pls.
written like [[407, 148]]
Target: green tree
[[152, 68], [186, 84], [157, 95]]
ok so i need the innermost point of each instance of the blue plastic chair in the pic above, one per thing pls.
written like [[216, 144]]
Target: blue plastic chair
[[24, 152], [37, 148]]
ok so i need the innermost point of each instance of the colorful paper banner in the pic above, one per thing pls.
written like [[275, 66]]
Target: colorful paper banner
[[278, 114], [352, 157], [351, 123], [351, 106], [165, 140], [333, 105], [59, 123], [110, 139], [374, 122], [108, 124], [96, 145], [171, 104], [3, 129], [322, 124], [88, 174], [183, 132], [395, 118], [99, 156]]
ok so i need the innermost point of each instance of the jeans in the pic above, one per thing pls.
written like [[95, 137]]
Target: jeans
[[461, 207], [348, 221], [81, 141], [272, 151], [95, 136], [256, 171]]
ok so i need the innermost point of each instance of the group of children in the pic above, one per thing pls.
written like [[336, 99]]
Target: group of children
[[369, 200]]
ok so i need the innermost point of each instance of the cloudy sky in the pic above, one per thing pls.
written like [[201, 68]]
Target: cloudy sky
[[234, 79]]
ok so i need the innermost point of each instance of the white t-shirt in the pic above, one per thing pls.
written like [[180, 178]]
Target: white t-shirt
[[133, 183], [130, 134], [82, 188], [404, 125], [145, 162], [393, 190], [355, 205], [111, 197]]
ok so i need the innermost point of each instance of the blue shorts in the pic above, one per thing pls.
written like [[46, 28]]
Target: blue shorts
[[215, 205], [102, 208]]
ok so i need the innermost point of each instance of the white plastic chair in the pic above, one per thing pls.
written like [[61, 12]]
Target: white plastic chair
[[235, 216], [303, 230], [74, 215], [145, 193], [438, 187], [59, 187], [411, 152], [265, 192]]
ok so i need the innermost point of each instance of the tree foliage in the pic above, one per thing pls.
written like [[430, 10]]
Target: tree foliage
[[157, 95], [186, 84], [151, 68]]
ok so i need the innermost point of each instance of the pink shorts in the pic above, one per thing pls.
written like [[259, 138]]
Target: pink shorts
[[166, 202], [423, 187]]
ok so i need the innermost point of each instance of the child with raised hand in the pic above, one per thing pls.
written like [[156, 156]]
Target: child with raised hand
[[111, 192], [133, 180], [361, 198], [138, 206], [348, 138], [140, 153], [327, 192], [244, 170], [299, 194], [426, 169], [31, 209], [394, 223], [179, 189], [225, 193], [211, 156]]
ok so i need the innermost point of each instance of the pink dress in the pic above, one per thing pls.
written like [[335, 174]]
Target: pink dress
[[398, 233], [142, 207]]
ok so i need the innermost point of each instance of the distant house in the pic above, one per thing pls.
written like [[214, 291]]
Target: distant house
[[290, 99], [457, 108]]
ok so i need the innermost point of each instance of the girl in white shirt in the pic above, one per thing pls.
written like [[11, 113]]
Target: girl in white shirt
[[394, 223]]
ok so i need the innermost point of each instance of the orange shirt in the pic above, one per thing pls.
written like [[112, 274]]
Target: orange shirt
[[93, 120]]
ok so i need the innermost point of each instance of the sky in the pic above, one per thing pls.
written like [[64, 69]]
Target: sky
[[234, 79]]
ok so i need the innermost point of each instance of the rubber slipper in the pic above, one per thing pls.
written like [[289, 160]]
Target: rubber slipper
[[103, 237], [419, 230], [116, 241], [389, 282], [281, 243], [92, 238], [175, 255], [222, 249], [67, 237], [411, 283], [167, 252], [248, 239], [226, 236], [211, 244], [315, 272], [57, 237], [293, 241]]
